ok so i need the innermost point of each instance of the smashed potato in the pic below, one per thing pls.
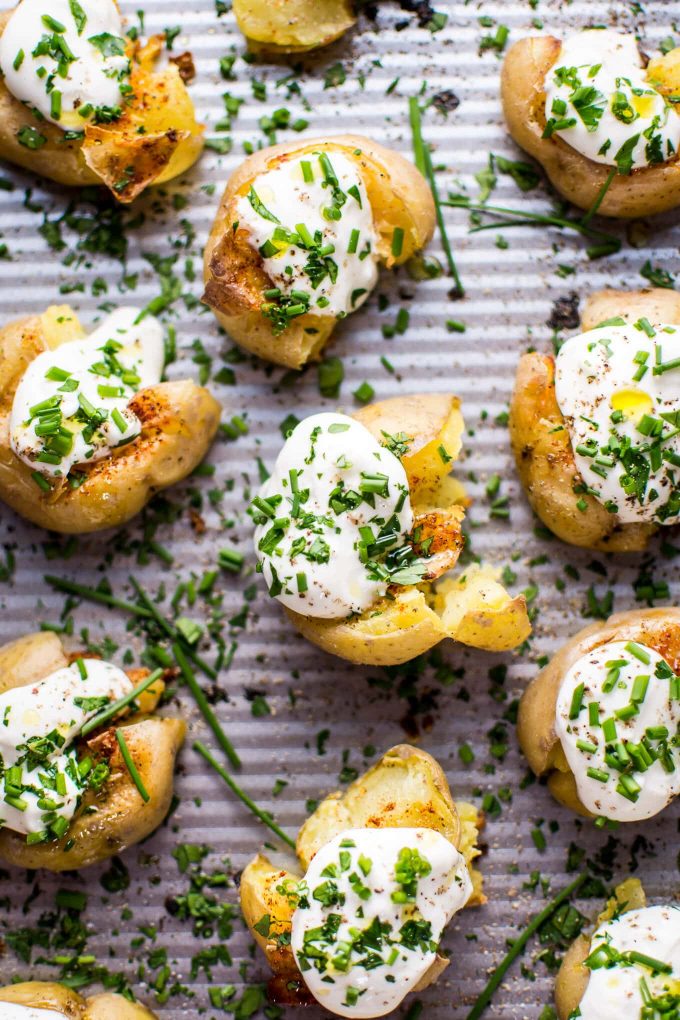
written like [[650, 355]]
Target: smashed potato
[[643, 192], [113, 817], [179, 420], [542, 446], [474, 608], [292, 26], [235, 281], [60, 999], [407, 788], [156, 138]]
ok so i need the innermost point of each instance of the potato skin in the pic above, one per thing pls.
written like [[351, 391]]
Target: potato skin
[[115, 155], [541, 444], [235, 280], [292, 26], [643, 192], [179, 420], [50, 995], [659, 628], [121, 818]]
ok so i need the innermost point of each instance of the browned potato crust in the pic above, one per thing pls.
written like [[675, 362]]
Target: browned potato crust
[[179, 420], [116, 155], [235, 280], [645, 191], [541, 444], [657, 628], [292, 26], [50, 995]]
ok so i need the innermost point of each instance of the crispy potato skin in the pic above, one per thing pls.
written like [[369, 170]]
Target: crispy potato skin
[[541, 444], [410, 620], [115, 155], [658, 628], [644, 192], [121, 818], [179, 420], [50, 995], [292, 26], [406, 788], [235, 279]]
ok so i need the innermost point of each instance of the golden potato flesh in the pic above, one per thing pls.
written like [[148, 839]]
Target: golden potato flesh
[[656, 628], [407, 788], [235, 280], [114, 817], [474, 608], [292, 26], [643, 192], [58, 998], [179, 420], [542, 446], [155, 140]]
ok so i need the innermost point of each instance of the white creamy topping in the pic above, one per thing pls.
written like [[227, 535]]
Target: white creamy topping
[[311, 221], [598, 99], [619, 991], [71, 406], [40, 778], [66, 59], [617, 388], [617, 718], [368, 923], [332, 518], [15, 1011]]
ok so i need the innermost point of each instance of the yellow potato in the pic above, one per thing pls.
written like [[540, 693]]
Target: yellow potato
[[645, 191], [292, 26], [541, 443], [156, 139], [179, 420], [407, 788], [50, 995], [657, 628], [115, 817], [235, 279], [474, 608]]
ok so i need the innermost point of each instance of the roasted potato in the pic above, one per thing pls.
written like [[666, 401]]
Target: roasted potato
[[643, 192], [156, 139], [235, 281], [59, 999], [474, 608], [407, 788], [115, 817], [656, 628], [179, 420], [542, 446], [573, 976], [292, 26]]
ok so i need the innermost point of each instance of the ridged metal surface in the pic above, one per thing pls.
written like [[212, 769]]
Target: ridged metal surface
[[509, 296]]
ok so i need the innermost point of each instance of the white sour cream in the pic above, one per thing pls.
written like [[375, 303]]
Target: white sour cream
[[634, 767], [614, 993], [38, 786], [310, 544], [598, 99], [71, 406], [330, 262], [66, 60], [356, 883], [15, 1011], [613, 392]]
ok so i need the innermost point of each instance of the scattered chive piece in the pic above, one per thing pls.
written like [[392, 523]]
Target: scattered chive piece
[[639, 652], [397, 241], [131, 767], [202, 702], [576, 702], [364, 393], [108, 713], [231, 560]]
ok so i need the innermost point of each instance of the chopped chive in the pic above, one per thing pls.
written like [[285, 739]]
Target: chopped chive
[[307, 171], [609, 730], [639, 652], [353, 242], [41, 482], [640, 686], [119, 420], [576, 702], [117, 706], [231, 560], [599, 774], [594, 713], [586, 746], [397, 241], [131, 767], [202, 702]]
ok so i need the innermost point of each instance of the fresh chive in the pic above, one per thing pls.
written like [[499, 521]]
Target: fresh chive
[[639, 652], [231, 560], [307, 171], [131, 767], [586, 746], [576, 702], [202, 702], [598, 774], [119, 420], [599, 198], [353, 242], [397, 241], [108, 713]]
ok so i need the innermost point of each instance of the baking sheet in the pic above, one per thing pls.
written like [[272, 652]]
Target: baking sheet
[[510, 294]]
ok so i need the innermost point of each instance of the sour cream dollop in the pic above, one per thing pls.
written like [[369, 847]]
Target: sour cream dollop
[[331, 517], [617, 718], [615, 992], [618, 389], [15, 1011], [310, 220], [599, 101], [368, 926], [41, 780], [67, 60], [71, 405]]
